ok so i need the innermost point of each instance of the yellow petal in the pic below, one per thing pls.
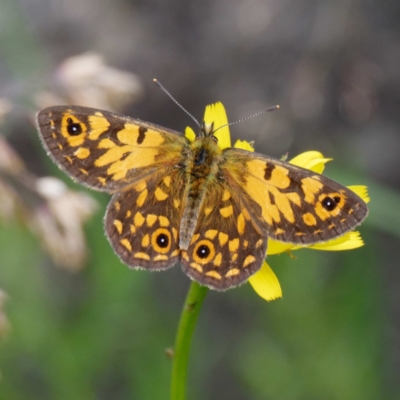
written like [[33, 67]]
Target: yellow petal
[[215, 113], [349, 241], [244, 145], [361, 191], [313, 160], [275, 247], [189, 133], [265, 283]]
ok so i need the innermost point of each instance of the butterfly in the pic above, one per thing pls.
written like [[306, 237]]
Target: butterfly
[[209, 208]]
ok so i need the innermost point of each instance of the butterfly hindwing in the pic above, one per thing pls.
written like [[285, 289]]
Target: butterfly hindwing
[[104, 150], [142, 222], [227, 246]]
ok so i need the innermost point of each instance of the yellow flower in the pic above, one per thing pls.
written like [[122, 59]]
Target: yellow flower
[[265, 282]]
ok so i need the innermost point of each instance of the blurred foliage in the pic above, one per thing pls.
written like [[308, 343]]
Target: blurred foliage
[[101, 332]]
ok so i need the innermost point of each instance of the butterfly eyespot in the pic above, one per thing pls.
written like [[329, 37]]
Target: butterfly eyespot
[[204, 252], [330, 203], [73, 129], [162, 240]]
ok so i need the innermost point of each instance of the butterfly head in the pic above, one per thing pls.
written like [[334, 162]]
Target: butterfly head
[[207, 131]]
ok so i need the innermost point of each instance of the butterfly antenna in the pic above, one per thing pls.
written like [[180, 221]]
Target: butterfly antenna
[[273, 108], [175, 101]]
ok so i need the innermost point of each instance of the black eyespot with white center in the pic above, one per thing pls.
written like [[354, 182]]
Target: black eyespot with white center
[[203, 251], [330, 203], [73, 128], [162, 240]]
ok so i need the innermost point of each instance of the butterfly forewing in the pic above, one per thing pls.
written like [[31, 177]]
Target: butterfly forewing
[[106, 151], [296, 204]]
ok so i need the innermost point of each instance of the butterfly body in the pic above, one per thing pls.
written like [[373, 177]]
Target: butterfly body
[[201, 168], [176, 200]]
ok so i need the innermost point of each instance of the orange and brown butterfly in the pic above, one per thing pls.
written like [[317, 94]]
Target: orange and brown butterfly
[[194, 199]]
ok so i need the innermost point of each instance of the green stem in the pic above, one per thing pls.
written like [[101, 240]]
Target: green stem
[[187, 323]]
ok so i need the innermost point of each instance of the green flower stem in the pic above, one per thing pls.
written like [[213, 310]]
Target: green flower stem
[[187, 323]]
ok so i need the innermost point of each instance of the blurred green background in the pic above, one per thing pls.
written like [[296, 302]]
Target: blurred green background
[[98, 330]]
